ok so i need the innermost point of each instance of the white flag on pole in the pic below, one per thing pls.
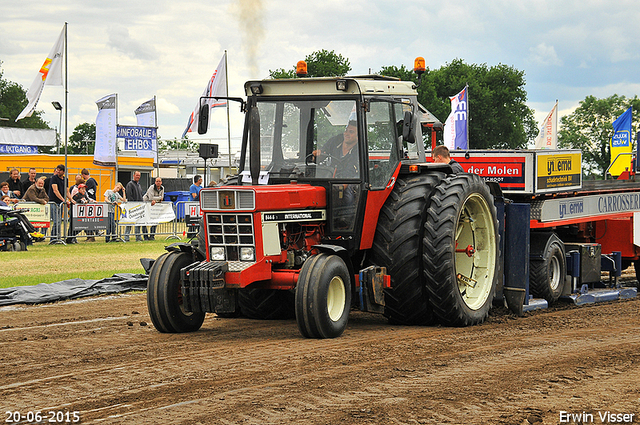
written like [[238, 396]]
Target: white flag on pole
[[106, 121], [146, 113], [146, 117], [548, 137], [217, 86], [50, 74]]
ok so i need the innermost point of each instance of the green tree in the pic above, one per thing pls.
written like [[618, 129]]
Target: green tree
[[13, 99], [590, 127], [498, 115], [321, 63], [177, 144], [83, 139]]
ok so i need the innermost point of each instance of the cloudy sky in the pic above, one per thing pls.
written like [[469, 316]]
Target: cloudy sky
[[137, 49]]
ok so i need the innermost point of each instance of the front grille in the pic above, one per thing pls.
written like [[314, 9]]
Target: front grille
[[228, 199], [231, 231]]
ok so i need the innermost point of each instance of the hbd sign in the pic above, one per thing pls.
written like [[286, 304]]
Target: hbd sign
[[89, 216]]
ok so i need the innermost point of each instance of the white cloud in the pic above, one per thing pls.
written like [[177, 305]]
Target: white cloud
[[544, 55], [120, 40]]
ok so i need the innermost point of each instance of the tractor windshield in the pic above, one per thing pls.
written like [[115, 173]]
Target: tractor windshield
[[308, 139]]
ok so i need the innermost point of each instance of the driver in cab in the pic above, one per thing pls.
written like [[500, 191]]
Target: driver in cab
[[344, 148]]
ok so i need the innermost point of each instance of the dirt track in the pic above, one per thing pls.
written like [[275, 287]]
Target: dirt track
[[103, 358]]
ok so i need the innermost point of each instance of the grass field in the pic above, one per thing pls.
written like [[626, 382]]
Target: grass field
[[44, 263]]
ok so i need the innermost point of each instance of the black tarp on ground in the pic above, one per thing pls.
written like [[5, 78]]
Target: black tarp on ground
[[72, 288]]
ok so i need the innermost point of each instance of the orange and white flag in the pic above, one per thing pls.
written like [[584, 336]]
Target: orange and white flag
[[50, 73], [548, 136]]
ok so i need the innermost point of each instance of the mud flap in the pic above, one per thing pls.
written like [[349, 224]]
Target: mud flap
[[373, 280]]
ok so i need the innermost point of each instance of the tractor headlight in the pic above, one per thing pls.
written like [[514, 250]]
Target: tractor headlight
[[217, 253], [247, 253]]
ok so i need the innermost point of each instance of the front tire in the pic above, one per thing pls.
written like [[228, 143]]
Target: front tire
[[164, 295], [461, 250], [323, 297]]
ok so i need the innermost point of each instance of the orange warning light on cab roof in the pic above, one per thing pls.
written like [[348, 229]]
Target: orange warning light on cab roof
[[419, 65], [301, 68]]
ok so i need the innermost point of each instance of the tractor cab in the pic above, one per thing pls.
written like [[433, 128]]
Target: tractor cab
[[347, 135]]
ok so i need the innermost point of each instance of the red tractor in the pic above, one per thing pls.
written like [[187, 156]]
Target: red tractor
[[335, 207]]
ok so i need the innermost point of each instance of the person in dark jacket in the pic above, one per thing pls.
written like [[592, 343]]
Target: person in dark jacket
[[440, 154], [15, 185]]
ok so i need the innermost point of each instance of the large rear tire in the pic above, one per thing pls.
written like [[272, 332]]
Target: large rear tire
[[397, 245], [164, 295], [461, 250], [266, 304], [547, 266], [323, 297]]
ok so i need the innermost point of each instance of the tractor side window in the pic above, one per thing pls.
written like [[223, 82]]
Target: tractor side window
[[381, 138], [409, 150]]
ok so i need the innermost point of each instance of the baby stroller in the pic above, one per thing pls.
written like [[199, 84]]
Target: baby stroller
[[15, 230]]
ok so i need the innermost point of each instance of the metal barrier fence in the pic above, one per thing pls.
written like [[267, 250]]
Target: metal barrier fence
[[60, 224]]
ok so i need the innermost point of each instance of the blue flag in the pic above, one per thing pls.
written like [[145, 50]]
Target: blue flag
[[621, 144], [455, 130], [622, 130]]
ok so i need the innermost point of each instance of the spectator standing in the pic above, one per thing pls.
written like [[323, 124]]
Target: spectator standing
[[195, 188], [30, 181], [112, 197], [155, 194], [58, 183], [15, 185], [135, 194], [92, 191], [36, 192]]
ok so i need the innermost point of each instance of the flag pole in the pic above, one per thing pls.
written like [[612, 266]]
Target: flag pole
[[226, 79], [155, 123], [468, 141], [116, 147], [66, 129]]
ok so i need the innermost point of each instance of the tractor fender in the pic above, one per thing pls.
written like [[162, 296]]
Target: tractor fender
[[340, 252], [147, 263]]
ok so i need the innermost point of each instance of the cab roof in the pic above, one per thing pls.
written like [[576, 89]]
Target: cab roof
[[357, 85]]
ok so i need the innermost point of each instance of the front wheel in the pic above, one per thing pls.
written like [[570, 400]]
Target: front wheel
[[164, 295], [323, 297], [460, 250]]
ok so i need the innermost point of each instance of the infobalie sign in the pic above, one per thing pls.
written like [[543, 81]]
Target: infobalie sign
[[137, 138]]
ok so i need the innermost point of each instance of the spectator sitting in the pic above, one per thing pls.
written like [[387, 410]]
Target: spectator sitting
[[30, 181], [36, 192], [155, 194], [15, 185], [4, 201], [4, 191]]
